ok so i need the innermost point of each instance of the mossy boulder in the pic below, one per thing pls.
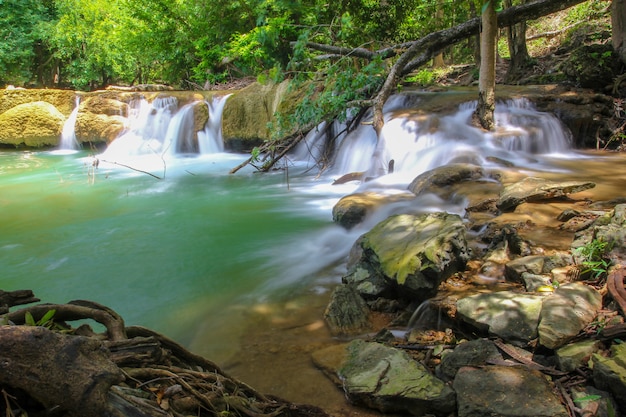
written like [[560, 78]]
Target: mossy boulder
[[389, 380], [63, 100], [413, 254], [248, 112], [33, 124]]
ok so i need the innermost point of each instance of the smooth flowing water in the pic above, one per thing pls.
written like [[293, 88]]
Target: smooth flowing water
[[231, 265]]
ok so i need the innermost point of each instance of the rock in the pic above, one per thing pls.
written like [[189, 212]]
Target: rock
[[347, 313], [534, 283], [575, 355], [594, 402], [609, 374], [505, 391], [473, 353], [536, 189], [507, 314], [63, 100], [566, 312], [330, 359], [445, 176], [33, 124], [536, 265], [248, 112], [525, 265], [614, 233], [354, 208], [389, 380], [414, 253]]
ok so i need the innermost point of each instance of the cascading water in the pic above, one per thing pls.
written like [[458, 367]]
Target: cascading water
[[68, 134], [417, 143], [160, 128]]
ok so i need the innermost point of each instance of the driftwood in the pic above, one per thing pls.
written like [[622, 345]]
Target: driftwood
[[10, 299], [54, 369]]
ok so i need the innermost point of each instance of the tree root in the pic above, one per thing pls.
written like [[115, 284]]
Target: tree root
[[615, 285], [125, 372]]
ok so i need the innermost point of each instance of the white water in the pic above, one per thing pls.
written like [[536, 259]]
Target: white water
[[161, 129], [418, 143], [68, 134]]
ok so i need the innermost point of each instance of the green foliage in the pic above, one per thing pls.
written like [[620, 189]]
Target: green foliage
[[331, 96], [594, 258], [22, 30], [45, 321]]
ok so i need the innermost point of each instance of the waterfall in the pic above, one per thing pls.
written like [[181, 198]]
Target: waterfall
[[162, 128], [210, 139], [68, 134], [418, 142]]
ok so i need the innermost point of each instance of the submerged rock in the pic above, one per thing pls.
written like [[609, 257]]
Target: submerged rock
[[445, 176], [536, 189], [354, 208]]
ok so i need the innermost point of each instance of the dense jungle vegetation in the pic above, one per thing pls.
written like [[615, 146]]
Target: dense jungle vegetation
[[193, 44]]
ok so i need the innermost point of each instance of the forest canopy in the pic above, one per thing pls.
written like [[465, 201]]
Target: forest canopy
[[190, 44]]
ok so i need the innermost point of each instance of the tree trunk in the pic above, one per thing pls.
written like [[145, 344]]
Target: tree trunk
[[516, 36], [487, 81], [618, 22], [438, 59]]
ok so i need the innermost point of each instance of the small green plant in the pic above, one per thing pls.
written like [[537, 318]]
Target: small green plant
[[594, 258], [46, 321]]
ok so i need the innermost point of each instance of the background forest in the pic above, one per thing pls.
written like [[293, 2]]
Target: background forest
[[193, 44]]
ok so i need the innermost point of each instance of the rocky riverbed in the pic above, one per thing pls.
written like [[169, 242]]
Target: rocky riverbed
[[516, 327]]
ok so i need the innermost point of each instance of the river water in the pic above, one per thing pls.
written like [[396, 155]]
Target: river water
[[239, 268]]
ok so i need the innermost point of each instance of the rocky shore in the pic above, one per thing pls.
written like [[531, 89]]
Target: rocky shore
[[499, 322]]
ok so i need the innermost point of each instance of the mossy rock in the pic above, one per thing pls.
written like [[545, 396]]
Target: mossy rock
[[63, 100], [34, 125]]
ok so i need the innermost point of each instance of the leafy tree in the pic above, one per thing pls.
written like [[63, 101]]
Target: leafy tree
[[22, 30]]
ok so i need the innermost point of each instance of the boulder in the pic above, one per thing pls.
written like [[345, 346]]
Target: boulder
[[33, 124], [507, 314], [575, 355], [389, 380], [537, 189], [473, 353], [354, 208], [505, 391], [609, 374], [566, 312], [63, 100], [445, 176], [347, 313], [414, 253], [248, 112]]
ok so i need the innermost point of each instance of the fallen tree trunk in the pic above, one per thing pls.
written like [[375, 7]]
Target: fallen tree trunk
[[125, 372]]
